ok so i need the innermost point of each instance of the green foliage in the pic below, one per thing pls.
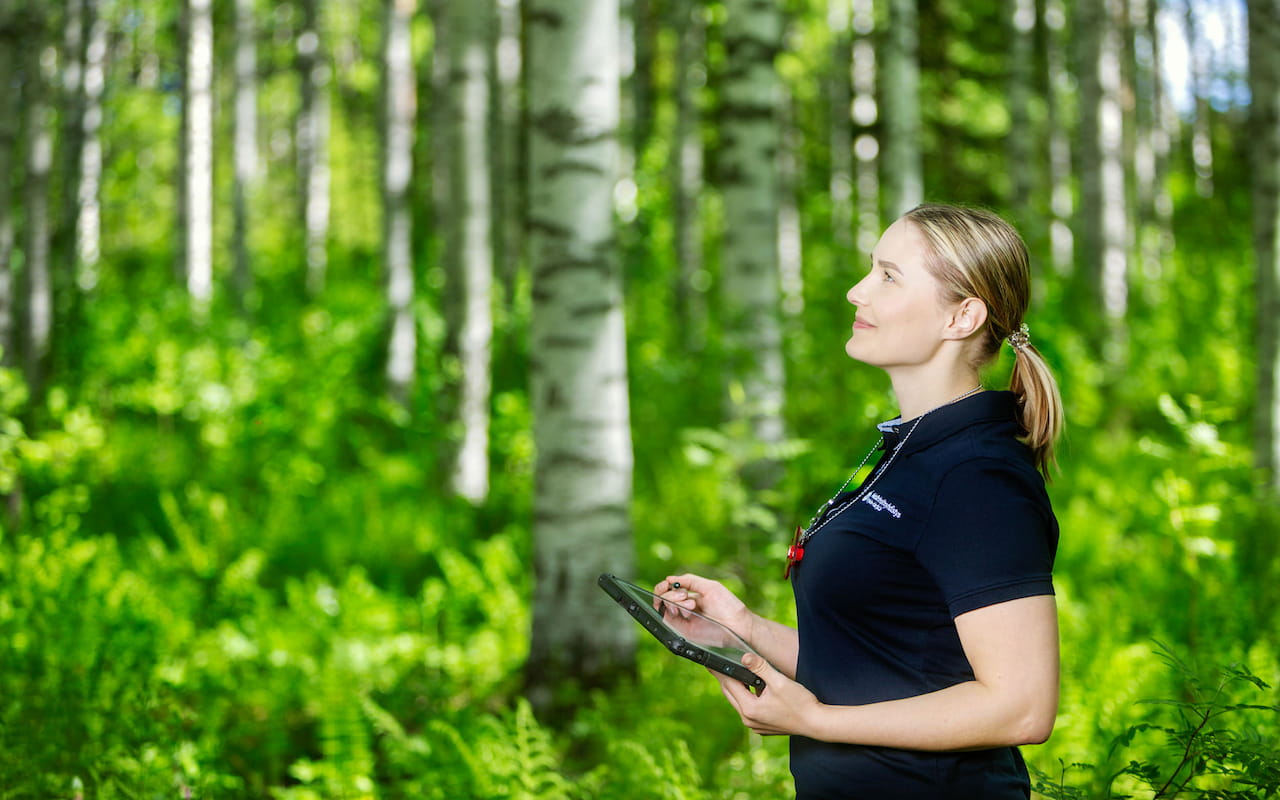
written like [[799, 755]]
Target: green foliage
[[1214, 745]]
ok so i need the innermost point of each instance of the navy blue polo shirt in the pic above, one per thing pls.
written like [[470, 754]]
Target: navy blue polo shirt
[[960, 520]]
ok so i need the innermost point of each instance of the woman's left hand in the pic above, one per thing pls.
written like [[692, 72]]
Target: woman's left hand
[[784, 707]]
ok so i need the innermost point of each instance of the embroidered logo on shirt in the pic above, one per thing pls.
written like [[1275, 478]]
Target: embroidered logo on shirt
[[880, 504]]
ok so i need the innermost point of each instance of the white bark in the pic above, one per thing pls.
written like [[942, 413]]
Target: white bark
[[1061, 197], [244, 144], [582, 492], [313, 145], [1102, 178], [37, 278], [687, 175], [89, 190], [469, 243], [397, 170], [198, 154], [1020, 143], [10, 36], [866, 111], [751, 190], [903, 162], [840, 96], [1264, 81]]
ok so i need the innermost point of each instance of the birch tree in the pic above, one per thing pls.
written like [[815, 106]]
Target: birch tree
[[1264, 122], [37, 283], [312, 132], [244, 146], [1021, 16], [749, 184], [903, 163], [10, 36], [840, 98], [88, 215], [397, 170], [197, 145], [689, 23], [578, 392], [469, 236], [866, 112], [1057, 89], [1104, 214]]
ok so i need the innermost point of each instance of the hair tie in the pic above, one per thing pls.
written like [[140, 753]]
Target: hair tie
[[1021, 338]]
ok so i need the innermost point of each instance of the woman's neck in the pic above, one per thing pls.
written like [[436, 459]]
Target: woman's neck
[[922, 396]]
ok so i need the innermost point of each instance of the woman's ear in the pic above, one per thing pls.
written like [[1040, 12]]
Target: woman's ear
[[969, 316]]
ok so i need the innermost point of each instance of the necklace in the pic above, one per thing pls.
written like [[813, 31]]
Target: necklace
[[795, 553]]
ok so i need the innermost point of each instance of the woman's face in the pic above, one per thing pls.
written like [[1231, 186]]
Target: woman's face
[[900, 321]]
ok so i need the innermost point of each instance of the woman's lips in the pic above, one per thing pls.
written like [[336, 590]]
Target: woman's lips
[[860, 325]]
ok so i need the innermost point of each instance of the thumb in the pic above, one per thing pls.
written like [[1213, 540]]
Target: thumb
[[756, 664]]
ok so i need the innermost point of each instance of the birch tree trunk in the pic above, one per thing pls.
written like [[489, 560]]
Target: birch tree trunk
[[37, 283], [509, 191], [1105, 230], [1264, 121], [583, 472], [866, 112], [1057, 91], [689, 22], [312, 128], [1198, 52], [903, 164], [10, 37], [469, 239], [244, 148], [1021, 16], [750, 187], [840, 96], [197, 137], [397, 170], [88, 218]]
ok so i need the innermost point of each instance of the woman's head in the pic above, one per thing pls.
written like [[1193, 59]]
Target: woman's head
[[973, 253]]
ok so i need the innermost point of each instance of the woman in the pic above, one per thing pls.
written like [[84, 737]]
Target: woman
[[927, 640]]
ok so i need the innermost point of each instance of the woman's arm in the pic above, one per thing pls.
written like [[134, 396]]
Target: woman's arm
[[778, 643], [1012, 700]]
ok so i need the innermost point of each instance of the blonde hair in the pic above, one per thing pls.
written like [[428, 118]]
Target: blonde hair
[[975, 253]]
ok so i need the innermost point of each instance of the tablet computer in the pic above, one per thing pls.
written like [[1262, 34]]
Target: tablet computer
[[686, 633]]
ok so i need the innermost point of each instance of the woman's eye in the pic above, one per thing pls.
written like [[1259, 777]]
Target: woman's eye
[[887, 277]]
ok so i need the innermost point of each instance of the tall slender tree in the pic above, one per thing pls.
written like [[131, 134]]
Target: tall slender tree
[[1020, 145], [37, 289], [10, 65], [840, 101], [578, 391], [749, 184], [88, 213], [1264, 139], [399, 104], [903, 161], [470, 229], [197, 147], [312, 132], [866, 112], [244, 146], [1058, 81], [1104, 222], [689, 23]]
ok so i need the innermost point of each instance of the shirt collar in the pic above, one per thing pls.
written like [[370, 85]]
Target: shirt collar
[[989, 406]]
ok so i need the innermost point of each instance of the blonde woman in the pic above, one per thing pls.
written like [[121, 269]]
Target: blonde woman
[[927, 645]]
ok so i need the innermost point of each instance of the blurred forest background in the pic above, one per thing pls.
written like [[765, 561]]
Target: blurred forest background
[[344, 344]]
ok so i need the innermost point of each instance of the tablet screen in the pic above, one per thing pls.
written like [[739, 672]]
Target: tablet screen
[[678, 621]]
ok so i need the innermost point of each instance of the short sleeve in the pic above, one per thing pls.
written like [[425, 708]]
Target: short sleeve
[[991, 535]]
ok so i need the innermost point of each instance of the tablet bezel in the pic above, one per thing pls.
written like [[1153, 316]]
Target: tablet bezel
[[652, 621]]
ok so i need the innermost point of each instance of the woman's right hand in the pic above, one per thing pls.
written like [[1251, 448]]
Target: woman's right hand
[[709, 598]]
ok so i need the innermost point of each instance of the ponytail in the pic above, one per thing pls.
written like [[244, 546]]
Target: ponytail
[[1039, 403], [975, 253]]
